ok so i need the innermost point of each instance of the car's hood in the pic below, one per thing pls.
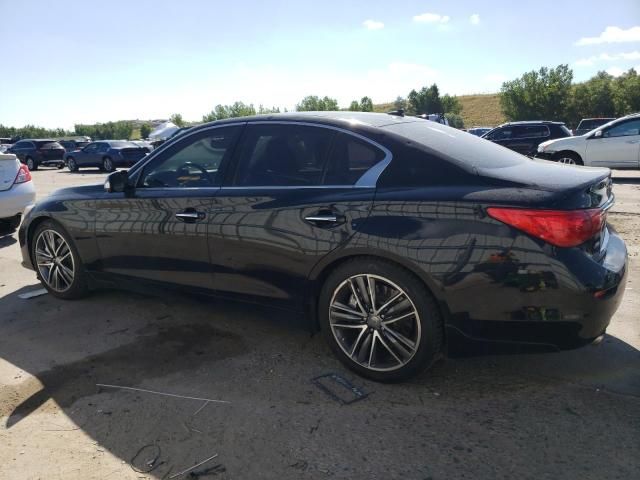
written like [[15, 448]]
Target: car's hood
[[567, 143], [83, 191]]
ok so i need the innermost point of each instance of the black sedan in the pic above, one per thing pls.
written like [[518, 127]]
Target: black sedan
[[392, 234], [106, 155]]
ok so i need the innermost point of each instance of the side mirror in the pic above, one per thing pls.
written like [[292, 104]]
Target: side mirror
[[117, 182], [598, 134]]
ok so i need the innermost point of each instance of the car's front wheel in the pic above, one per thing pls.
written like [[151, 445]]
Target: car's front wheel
[[380, 320], [57, 262], [568, 158], [71, 164], [107, 164]]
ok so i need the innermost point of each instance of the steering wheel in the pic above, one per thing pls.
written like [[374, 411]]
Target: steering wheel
[[185, 166]]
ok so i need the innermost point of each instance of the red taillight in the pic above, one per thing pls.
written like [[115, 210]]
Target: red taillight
[[24, 175], [562, 228]]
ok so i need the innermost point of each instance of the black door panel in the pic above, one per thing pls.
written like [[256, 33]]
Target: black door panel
[[262, 244], [142, 236]]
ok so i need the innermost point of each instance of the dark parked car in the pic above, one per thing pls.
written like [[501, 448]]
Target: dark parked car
[[524, 137], [71, 145], [588, 124], [478, 131], [106, 155], [37, 152], [393, 234]]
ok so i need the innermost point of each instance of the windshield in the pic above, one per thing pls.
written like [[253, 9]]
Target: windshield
[[122, 144]]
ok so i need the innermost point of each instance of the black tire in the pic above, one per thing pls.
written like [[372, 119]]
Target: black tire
[[10, 224], [60, 166], [429, 345], [31, 164], [107, 165], [78, 287], [568, 158], [72, 165]]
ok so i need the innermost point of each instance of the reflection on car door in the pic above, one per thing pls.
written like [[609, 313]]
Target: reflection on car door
[[619, 146], [160, 231], [291, 199]]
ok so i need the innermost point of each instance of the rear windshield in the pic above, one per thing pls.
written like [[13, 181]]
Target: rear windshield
[[47, 144], [591, 124], [123, 144], [466, 151]]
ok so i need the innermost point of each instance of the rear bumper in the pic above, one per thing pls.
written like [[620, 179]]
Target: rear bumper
[[16, 199], [565, 304]]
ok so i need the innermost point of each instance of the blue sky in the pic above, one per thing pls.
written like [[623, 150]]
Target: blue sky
[[69, 62]]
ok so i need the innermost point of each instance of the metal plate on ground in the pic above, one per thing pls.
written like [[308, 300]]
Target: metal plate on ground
[[339, 388]]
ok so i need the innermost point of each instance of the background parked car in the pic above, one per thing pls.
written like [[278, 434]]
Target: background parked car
[[524, 137], [479, 131], [105, 154], [16, 190], [36, 152], [588, 124], [143, 144], [616, 145], [71, 145]]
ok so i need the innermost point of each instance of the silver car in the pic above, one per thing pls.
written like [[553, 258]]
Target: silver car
[[16, 190]]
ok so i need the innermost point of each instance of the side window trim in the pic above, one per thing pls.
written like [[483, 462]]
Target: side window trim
[[367, 180]]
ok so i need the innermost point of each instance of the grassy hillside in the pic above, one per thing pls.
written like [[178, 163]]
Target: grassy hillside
[[477, 110], [481, 110]]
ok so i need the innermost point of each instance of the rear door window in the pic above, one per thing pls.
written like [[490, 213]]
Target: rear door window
[[283, 155], [625, 129]]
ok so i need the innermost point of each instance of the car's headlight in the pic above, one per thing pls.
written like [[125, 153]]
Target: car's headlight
[[545, 148]]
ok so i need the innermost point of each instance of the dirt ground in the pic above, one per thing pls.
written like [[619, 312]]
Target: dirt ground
[[570, 415]]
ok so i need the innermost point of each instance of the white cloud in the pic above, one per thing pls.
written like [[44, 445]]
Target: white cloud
[[474, 19], [373, 24], [615, 71], [431, 18], [612, 35], [606, 57]]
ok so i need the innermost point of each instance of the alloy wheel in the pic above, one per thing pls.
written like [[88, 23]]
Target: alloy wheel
[[71, 163], [375, 322], [567, 161], [54, 260], [30, 164], [108, 164]]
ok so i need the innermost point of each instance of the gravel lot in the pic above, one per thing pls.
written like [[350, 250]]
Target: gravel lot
[[564, 415]]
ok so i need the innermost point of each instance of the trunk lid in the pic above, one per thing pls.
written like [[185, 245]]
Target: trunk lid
[[9, 166]]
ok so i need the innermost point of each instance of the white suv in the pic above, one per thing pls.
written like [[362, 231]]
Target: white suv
[[615, 144], [16, 190]]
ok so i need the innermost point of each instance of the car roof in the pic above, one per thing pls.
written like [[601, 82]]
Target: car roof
[[598, 118], [37, 140], [337, 118], [532, 122]]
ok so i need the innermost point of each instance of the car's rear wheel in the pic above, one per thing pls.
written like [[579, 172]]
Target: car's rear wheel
[[107, 164], [568, 158], [57, 262], [71, 164], [31, 164], [380, 320]]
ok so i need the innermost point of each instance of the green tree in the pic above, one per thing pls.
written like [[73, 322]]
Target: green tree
[[354, 106], [400, 103], [626, 92], [176, 118], [313, 103], [543, 94], [455, 120], [427, 100], [145, 130], [264, 111], [451, 104], [366, 104]]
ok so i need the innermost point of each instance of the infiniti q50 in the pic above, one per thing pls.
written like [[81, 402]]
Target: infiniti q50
[[391, 233]]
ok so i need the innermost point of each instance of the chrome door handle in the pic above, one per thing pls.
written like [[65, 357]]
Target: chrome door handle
[[190, 216], [321, 218]]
